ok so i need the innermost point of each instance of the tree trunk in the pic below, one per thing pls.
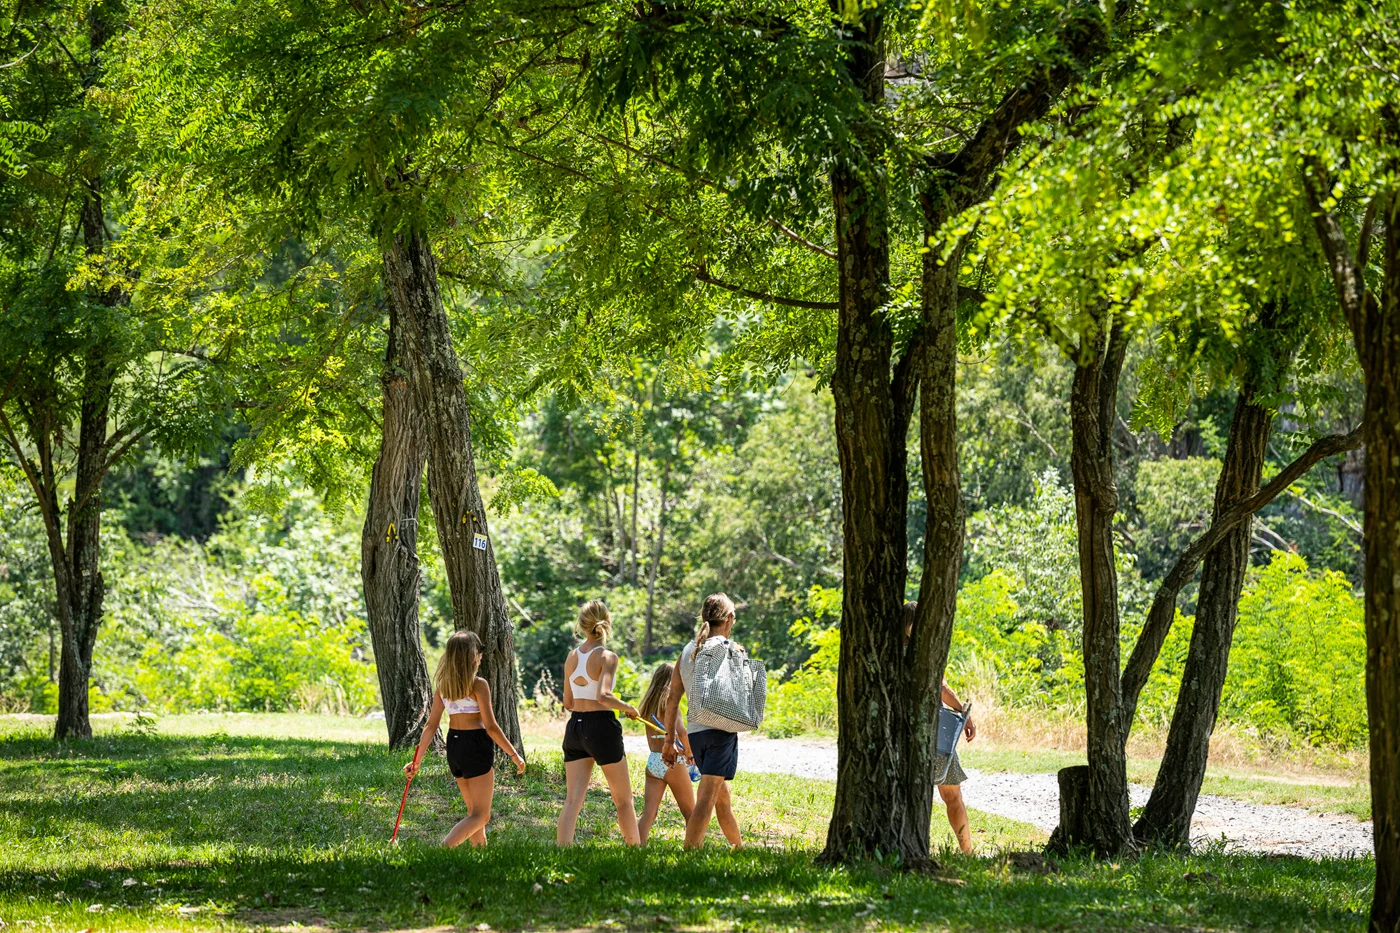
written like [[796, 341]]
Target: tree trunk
[[1379, 350], [656, 556], [389, 567], [1093, 414], [876, 810], [77, 572], [1166, 821], [636, 489], [77, 562], [478, 604], [926, 654]]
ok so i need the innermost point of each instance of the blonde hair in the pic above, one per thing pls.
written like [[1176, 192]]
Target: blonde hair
[[594, 621], [717, 609], [654, 700], [455, 675]]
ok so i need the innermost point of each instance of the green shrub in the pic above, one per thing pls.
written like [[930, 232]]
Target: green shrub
[[806, 702], [1298, 663]]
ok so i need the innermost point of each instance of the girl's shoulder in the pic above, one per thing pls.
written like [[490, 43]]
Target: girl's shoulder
[[480, 686]]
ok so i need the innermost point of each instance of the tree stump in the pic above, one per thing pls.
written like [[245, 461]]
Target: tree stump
[[1073, 831]]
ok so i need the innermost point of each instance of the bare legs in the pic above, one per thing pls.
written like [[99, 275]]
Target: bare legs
[[476, 794], [577, 774], [679, 781], [957, 815], [713, 799]]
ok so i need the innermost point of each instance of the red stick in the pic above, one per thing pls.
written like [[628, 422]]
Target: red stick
[[394, 838]]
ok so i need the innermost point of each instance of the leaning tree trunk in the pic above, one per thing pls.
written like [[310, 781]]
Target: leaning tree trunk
[[478, 604], [1166, 821], [1104, 825], [932, 633], [389, 553], [1379, 350]]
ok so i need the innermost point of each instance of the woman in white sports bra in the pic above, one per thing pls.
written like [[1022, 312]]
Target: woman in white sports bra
[[593, 734], [472, 735]]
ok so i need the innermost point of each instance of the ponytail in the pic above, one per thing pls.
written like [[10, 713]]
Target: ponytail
[[716, 610]]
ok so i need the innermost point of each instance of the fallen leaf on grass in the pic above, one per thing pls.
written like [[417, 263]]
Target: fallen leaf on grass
[[95, 909], [129, 882], [537, 888]]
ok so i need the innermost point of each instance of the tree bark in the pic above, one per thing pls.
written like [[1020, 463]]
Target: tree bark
[[389, 567], [1375, 325], [478, 604], [1380, 361], [1074, 815], [1166, 820], [876, 811], [1093, 415], [888, 696], [78, 576]]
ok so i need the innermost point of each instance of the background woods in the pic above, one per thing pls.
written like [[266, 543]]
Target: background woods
[[1074, 322]]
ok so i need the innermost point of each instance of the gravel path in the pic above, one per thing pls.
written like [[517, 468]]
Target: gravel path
[[1034, 799]]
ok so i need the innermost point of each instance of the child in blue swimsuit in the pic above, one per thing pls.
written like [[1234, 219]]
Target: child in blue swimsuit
[[660, 777]]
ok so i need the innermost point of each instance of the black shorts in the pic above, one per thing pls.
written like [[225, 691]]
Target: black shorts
[[716, 752], [470, 752], [596, 735]]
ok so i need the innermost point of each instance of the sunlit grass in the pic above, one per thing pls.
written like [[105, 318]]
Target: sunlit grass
[[233, 829]]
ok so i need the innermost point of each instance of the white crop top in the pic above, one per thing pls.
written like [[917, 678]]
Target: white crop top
[[588, 690], [464, 705]]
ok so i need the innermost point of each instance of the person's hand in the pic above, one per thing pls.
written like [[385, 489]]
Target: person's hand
[[668, 755], [631, 711], [519, 764], [970, 729], [411, 768]]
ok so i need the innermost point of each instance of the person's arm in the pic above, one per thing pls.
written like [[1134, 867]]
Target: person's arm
[[951, 700], [673, 715], [493, 729], [430, 729], [605, 688], [569, 662]]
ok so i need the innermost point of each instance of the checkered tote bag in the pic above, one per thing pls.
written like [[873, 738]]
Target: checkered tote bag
[[730, 688]]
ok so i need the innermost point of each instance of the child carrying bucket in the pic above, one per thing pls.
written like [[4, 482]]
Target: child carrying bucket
[[659, 775], [472, 735]]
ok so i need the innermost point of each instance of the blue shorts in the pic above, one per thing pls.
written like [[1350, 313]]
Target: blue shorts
[[716, 752]]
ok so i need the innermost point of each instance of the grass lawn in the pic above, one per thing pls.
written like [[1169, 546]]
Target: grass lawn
[[239, 822]]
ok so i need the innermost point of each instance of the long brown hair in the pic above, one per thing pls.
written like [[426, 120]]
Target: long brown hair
[[455, 676], [654, 700], [717, 609]]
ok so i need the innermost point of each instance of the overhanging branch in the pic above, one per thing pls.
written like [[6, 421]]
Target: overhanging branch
[[703, 275]]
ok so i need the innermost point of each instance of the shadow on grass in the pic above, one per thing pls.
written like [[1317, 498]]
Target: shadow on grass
[[198, 832]]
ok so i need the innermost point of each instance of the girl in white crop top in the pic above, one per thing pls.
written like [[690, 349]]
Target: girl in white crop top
[[472, 737], [593, 735]]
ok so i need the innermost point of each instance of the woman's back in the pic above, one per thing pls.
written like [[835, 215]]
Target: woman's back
[[583, 675]]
